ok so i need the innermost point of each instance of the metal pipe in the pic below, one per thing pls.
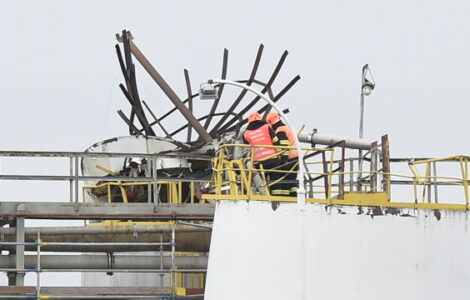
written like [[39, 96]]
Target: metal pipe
[[97, 261], [79, 230], [19, 251], [38, 266], [100, 297], [162, 272], [351, 143]]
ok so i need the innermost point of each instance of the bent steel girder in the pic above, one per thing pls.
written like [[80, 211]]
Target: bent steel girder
[[275, 99], [205, 118], [229, 118], [127, 121], [131, 93], [165, 87], [190, 101], [257, 98], [243, 92], [155, 118]]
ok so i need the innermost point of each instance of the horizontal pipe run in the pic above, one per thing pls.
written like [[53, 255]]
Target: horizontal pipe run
[[111, 179], [122, 271], [116, 238], [98, 154], [327, 140], [100, 297], [100, 229], [45, 244], [164, 271], [97, 261]]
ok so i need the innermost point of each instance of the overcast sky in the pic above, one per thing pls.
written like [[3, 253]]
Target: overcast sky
[[59, 72]]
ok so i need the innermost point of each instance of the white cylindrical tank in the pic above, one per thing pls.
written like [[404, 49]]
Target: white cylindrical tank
[[373, 253]]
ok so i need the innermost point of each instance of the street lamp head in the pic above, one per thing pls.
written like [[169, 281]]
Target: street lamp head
[[367, 87], [208, 91]]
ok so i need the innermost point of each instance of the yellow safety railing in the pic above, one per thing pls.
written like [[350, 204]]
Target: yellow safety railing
[[427, 180], [234, 179], [116, 191], [246, 178]]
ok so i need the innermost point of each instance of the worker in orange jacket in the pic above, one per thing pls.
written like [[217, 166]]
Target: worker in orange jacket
[[288, 158], [259, 133]]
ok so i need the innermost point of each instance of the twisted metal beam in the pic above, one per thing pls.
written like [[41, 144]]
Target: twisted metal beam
[[190, 101], [255, 100], [203, 134], [275, 99], [243, 92], [155, 118]]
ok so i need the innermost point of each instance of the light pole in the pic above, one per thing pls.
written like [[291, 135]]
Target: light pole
[[208, 92], [366, 89], [301, 289]]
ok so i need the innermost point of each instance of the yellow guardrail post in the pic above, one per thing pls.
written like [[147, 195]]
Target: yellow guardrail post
[[463, 167], [250, 172], [330, 173], [219, 170], [425, 181], [108, 187]]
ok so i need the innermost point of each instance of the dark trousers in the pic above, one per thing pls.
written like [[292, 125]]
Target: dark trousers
[[290, 183], [271, 176]]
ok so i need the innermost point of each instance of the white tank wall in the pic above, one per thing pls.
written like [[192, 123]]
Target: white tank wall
[[402, 254]]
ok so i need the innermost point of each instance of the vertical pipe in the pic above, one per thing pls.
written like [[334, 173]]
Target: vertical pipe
[[429, 182], [38, 266], [71, 180], [351, 175], [147, 174], [156, 199], [361, 135], [76, 179], [161, 260], [173, 267], [434, 170], [20, 247]]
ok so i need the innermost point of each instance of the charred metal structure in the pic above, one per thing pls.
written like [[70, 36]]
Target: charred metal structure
[[208, 127]]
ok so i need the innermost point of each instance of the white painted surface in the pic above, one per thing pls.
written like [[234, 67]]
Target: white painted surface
[[412, 255], [129, 144]]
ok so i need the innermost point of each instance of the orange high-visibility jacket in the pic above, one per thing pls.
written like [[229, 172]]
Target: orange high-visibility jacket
[[260, 137], [283, 128]]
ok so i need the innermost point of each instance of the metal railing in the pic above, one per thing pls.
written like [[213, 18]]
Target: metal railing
[[76, 179], [175, 274], [326, 177]]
